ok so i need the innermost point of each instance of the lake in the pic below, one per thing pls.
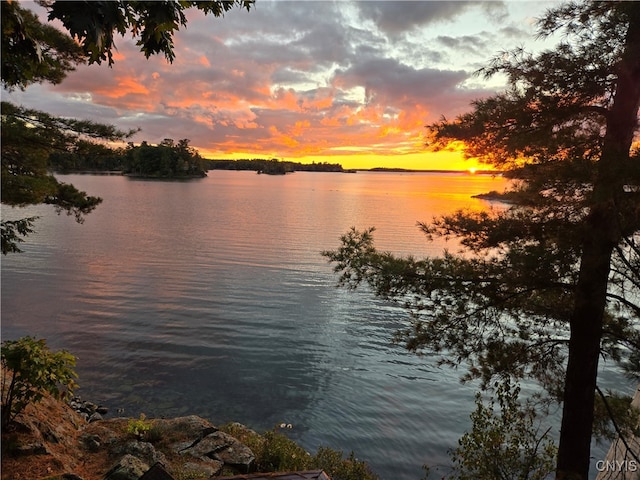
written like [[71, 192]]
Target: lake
[[210, 297]]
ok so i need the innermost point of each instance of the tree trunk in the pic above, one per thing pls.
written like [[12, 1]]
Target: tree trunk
[[603, 231], [584, 352]]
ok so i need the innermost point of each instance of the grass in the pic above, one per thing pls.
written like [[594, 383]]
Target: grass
[[275, 452]]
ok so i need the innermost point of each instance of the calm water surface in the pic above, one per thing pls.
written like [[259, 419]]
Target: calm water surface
[[210, 297]]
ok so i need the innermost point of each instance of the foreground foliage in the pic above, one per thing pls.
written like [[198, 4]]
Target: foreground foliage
[[506, 441], [12, 232], [29, 370]]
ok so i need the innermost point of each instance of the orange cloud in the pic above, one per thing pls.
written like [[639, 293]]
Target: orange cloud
[[285, 99], [125, 86], [331, 121], [118, 56], [387, 130], [300, 128], [412, 118], [130, 85]]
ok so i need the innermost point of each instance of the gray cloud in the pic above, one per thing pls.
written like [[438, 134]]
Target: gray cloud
[[467, 44], [395, 17], [389, 79]]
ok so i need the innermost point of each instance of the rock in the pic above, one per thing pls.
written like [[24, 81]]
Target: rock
[[190, 426], [223, 448], [94, 417], [49, 435], [87, 409], [71, 476], [99, 433], [35, 448], [90, 442], [127, 468], [157, 472], [241, 431], [198, 470], [144, 451]]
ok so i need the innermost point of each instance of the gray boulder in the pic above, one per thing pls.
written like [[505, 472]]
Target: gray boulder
[[223, 448], [144, 451], [127, 468], [190, 426]]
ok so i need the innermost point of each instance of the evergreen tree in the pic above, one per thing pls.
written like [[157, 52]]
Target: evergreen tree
[[546, 287]]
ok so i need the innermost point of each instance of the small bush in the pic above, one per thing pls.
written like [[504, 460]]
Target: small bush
[[340, 468], [29, 371], [274, 451], [280, 453], [139, 428], [506, 441], [155, 434], [246, 436]]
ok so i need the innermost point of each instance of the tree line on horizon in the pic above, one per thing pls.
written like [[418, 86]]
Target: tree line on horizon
[[273, 165], [166, 159]]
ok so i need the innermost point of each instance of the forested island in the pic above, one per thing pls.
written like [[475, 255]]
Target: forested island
[[168, 159]]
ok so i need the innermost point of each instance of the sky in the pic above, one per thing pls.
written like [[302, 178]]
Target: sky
[[307, 81]]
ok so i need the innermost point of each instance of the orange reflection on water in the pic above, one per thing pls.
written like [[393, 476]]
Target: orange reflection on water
[[307, 212]]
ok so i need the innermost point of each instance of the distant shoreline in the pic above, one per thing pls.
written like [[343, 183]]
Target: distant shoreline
[[350, 170], [410, 170], [139, 176]]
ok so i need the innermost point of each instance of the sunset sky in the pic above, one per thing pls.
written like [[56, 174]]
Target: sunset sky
[[347, 82]]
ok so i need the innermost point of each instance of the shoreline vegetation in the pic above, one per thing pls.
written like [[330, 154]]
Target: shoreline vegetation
[[494, 196], [229, 165]]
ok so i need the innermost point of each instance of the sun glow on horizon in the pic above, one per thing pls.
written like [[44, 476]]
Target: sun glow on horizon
[[444, 160]]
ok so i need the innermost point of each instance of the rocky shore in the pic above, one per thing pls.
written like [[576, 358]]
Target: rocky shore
[[73, 441], [88, 410]]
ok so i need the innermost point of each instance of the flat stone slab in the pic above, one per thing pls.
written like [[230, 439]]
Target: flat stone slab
[[223, 448]]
